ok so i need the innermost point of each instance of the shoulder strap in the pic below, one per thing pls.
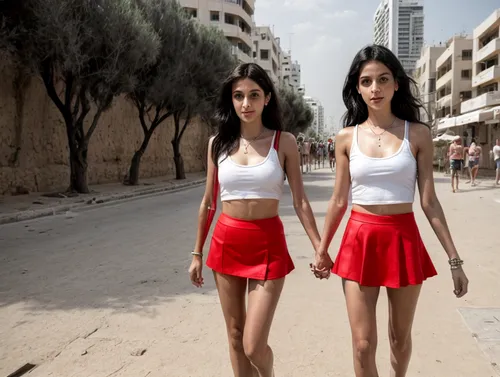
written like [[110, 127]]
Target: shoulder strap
[[407, 130], [215, 191], [276, 144]]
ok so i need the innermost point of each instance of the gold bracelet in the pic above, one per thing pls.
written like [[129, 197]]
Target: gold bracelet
[[198, 254]]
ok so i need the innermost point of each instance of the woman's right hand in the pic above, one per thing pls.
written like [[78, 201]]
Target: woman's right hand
[[195, 271], [322, 265]]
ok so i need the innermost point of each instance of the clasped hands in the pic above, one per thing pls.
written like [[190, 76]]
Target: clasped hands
[[321, 268]]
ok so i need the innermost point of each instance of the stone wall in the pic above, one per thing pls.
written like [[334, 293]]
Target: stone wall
[[33, 144]]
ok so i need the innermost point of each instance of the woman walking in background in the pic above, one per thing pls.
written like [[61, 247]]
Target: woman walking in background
[[248, 251], [474, 153], [379, 153]]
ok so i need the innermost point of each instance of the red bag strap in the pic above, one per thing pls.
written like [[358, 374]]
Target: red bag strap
[[215, 191], [276, 144]]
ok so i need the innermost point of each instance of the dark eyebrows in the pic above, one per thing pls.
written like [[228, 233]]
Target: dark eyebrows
[[368, 77], [251, 91]]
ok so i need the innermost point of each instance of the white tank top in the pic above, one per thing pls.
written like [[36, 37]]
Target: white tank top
[[264, 180], [386, 180]]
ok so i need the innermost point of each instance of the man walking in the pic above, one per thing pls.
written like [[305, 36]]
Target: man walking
[[456, 154]]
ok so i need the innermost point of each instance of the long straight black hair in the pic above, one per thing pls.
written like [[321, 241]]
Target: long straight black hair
[[405, 104], [229, 124]]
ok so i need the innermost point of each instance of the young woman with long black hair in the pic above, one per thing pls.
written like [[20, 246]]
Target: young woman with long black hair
[[381, 153], [248, 250]]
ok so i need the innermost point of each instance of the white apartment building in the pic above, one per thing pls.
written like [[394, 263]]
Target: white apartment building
[[454, 76], [267, 52], [480, 118], [399, 26], [234, 17], [318, 124], [425, 76], [290, 73]]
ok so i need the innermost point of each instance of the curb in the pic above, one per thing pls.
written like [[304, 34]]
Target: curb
[[100, 201]]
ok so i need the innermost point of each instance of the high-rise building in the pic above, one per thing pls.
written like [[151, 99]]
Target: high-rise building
[[291, 74], [399, 26], [425, 76], [233, 17], [318, 124], [267, 52]]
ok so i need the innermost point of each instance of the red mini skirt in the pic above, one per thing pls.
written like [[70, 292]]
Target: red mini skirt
[[383, 251], [253, 249]]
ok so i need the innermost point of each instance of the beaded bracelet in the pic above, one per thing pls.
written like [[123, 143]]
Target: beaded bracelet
[[455, 263], [198, 254]]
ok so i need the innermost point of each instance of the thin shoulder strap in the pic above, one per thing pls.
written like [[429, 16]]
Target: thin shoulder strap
[[354, 142], [407, 130], [276, 143]]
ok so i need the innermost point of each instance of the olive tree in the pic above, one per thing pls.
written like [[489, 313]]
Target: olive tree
[[86, 53], [158, 82], [297, 114], [196, 93]]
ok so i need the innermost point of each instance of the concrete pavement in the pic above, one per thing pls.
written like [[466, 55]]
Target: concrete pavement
[[105, 292]]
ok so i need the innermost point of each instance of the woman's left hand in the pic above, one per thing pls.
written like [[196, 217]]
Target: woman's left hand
[[322, 265], [460, 282]]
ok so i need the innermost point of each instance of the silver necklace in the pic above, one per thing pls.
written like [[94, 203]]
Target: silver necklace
[[245, 146], [379, 136]]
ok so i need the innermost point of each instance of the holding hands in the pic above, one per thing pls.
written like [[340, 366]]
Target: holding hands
[[322, 265]]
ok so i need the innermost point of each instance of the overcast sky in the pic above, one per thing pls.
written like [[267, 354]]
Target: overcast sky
[[326, 34]]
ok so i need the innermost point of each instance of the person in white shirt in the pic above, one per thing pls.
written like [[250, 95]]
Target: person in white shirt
[[496, 157]]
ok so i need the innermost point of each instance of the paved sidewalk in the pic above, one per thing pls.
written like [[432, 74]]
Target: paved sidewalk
[[35, 205]]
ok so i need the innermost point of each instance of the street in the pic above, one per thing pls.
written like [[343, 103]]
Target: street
[[105, 292]]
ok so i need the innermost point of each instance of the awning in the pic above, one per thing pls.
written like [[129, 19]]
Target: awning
[[477, 116]]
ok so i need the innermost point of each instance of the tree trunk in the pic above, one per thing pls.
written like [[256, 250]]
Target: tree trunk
[[180, 173], [78, 165], [133, 174]]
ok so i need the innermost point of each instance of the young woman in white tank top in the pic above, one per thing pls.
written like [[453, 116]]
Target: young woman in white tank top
[[379, 152], [248, 250]]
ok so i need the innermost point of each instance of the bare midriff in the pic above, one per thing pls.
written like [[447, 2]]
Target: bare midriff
[[384, 209], [251, 209]]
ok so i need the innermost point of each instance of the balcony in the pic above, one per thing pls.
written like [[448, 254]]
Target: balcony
[[234, 31], [237, 10], [488, 75], [484, 100], [488, 51], [444, 79], [444, 101], [240, 55]]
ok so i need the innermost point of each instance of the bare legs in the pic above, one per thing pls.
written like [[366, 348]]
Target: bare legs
[[361, 307], [248, 330], [402, 305], [454, 177]]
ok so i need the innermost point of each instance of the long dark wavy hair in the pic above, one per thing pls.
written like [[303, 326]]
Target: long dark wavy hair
[[405, 104], [229, 126]]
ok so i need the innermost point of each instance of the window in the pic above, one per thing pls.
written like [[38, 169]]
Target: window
[[466, 54], [192, 12], [467, 74], [464, 96], [264, 54], [214, 16]]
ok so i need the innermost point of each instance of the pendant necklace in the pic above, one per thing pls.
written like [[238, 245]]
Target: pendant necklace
[[245, 146], [380, 134]]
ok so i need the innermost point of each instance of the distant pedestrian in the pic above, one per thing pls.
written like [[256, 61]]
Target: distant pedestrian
[[248, 158], [496, 158], [456, 153], [382, 152], [474, 152]]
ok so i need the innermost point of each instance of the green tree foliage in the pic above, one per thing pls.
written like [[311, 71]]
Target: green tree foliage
[[297, 115], [86, 53]]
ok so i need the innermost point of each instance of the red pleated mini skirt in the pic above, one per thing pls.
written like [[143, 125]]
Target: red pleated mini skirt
[[253, 249], [383, 251]]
